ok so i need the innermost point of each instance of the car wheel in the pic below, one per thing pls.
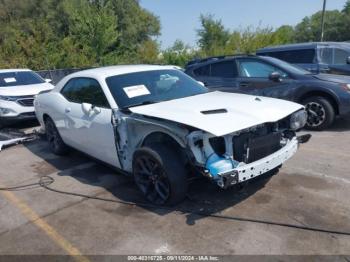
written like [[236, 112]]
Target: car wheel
[[2, 123], [160, 174], [320, 111], [53, 137]]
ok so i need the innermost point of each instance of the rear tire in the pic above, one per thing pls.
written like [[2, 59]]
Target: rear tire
[[321, 113], [2, 123], [53, 137], [160, 174]]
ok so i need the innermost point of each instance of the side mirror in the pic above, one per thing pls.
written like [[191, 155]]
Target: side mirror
[[96, 109], [348, 60], [48, 80], [275, 76], [86, 107]]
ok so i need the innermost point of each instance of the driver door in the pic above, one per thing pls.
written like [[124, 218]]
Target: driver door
[[87, 120]]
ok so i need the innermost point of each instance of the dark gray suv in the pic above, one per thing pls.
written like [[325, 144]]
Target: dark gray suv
[[321, 57], [324, 96]]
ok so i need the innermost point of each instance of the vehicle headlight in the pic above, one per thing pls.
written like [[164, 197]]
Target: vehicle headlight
[[298, 120], [7, 98], [346, 87], [4, 111]]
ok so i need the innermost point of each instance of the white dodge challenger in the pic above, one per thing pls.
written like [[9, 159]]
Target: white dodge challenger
[[157, 123]]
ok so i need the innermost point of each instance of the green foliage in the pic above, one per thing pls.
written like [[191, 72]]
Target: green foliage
[[310, 28], [178, 54], [42, 34], [213, 37]]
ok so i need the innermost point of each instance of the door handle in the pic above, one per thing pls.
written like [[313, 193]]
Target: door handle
[[244, 84], [67, 110]]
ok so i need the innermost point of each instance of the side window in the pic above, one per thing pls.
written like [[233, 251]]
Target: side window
[[326, 55], [225, 69], [340, 56], [303, 56], [85, 90], [202, 71], [252, 68]]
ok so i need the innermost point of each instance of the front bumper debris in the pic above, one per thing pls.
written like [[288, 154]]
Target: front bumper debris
[[259, 167]]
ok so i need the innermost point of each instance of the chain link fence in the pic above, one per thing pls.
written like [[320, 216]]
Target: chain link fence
[[57, 74]]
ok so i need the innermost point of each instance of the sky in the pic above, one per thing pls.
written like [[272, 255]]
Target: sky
[[180, 18]]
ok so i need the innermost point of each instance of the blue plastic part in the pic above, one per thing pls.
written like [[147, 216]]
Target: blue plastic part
[[217, 164]]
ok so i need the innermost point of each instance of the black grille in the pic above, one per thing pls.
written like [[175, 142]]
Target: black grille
[[26, 101], [261, 147], [250, 147], [28, 114]]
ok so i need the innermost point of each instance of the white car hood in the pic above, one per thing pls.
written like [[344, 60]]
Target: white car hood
[[243, 111], [24, 90]]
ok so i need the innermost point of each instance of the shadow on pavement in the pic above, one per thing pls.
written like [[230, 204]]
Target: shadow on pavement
[[340, 125], [21, 125], [203, 196]]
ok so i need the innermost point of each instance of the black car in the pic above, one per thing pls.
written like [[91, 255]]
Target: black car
[[324, 96], [324, 57]]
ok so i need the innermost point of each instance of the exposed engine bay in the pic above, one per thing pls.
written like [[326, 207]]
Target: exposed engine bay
[[224, 158]]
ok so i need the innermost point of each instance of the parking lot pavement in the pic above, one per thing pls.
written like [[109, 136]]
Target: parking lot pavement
[[311, 190]]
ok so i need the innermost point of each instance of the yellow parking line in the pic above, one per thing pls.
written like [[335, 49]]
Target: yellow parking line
[[33, 217]]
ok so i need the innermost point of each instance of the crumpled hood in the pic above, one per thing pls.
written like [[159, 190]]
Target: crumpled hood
[[333, 78], [24, 90], [220, 113]]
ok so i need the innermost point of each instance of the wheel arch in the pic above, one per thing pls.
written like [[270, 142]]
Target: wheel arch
[[324, 94], [165, 138], [45, 117], [162, 137]]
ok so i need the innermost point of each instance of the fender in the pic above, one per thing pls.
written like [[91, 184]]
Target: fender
[[303, 91]]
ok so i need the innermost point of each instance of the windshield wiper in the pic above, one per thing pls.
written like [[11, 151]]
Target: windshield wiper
[[148, 102]]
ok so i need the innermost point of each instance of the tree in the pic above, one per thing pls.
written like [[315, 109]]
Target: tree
[[310, 27], [92, 29], [75, 33], [178, 54], [346, 22], [212, 37], [284, 34]]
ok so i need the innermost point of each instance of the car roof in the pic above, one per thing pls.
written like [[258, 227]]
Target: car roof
[[14, 70], [118, 70], [211, 59], [287, 47]]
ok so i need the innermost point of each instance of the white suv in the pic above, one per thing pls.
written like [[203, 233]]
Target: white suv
[[17, 90]]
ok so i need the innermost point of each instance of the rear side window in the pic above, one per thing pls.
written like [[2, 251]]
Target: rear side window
[[333, 56], [85, 90], [326, 55], [340, 56], [202, 71], [224, 69], [302, 56]]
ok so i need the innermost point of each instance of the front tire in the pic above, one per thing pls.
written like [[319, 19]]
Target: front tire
[[321, 113], [160, 174], [53, 137]]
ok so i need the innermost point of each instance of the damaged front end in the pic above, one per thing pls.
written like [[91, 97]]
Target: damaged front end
[[243, 155]]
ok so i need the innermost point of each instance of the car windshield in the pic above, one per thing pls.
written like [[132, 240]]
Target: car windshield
[[288, 67], [154, 86], [19, 78]]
